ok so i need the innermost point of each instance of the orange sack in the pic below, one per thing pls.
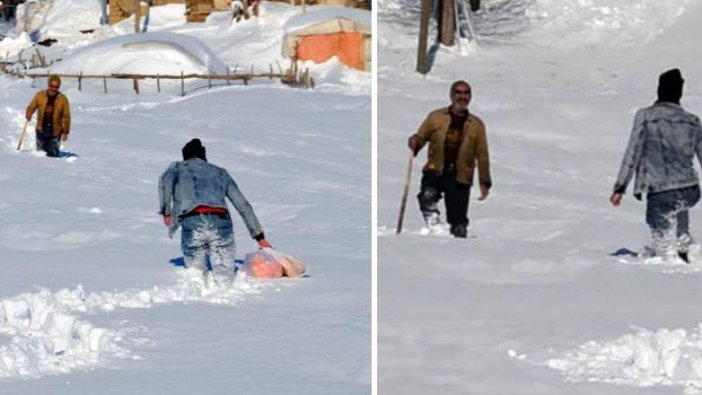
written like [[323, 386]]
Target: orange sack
[[267, 263]]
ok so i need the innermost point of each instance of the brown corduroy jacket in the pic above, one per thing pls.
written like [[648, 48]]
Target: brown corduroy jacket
[[62, 112], [473, 150]]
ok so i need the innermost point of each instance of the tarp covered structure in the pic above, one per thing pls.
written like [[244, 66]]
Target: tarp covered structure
[[320, 34]]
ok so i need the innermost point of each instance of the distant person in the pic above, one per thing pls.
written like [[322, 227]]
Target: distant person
[[192, 195], [457, 143], [474, 5], [53, 119], [8, 8], [664, 140], [254, 6], [238, 10]]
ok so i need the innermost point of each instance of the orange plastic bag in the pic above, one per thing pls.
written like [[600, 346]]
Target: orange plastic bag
[[267, 263]]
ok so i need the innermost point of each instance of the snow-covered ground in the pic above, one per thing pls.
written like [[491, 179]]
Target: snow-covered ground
[[88, 300], [532, 302]]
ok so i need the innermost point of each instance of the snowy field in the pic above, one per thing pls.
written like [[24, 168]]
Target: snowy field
[[88, 300], [533, 302]]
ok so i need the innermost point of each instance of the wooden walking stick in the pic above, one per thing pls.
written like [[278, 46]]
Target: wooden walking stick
[[24, 131], [403, 204]]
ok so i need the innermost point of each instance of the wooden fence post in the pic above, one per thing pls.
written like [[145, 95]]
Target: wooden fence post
[[423, 33], [80, 81], [158, 82], [447, 23], [135, 83], [104, 83], [182, 84]]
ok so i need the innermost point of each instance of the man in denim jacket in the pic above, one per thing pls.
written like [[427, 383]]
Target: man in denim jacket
[[191, 195], [663, 143]]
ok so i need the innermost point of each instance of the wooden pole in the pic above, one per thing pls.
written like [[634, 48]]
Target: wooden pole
[[104, 84], [80, 81], [422, 66], [135, 83], [182, 84], [447, 23], [403, 202], [24, 131], [137, 16], [158, 83]]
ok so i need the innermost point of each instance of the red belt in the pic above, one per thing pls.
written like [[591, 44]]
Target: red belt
[[209, 210], [218, 211]]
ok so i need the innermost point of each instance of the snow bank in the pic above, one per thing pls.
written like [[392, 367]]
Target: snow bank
[[645, 358], [323, 14], [561, 23], [48, 338], [620, 22], [65, 18], [11, 46], [164, 53]]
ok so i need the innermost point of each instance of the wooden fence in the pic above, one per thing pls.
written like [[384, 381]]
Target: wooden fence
[[292, 77]]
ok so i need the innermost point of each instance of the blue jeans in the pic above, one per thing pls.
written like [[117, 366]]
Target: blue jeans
[[668, 217], [209, 235]]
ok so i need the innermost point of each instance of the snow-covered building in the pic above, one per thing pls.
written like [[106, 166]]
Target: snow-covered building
[[331, 31], [195, 10]]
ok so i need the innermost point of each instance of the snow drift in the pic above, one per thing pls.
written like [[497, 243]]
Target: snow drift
[[162, 52]]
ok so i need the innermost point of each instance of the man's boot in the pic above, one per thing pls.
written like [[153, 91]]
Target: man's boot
[[684, 256], [459, 231], [432, 220]]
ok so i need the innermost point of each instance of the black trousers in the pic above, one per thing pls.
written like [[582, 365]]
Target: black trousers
[[455, 194], [48, 143]]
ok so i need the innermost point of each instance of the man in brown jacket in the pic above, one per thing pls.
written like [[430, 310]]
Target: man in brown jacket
[[53, 119], [457, 143]]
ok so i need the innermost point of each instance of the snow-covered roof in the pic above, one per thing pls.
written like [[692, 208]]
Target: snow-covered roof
[[160, 52], [326, 13]]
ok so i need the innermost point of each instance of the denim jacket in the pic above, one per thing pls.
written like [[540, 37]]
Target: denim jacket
[[194, 182], [664, 140]]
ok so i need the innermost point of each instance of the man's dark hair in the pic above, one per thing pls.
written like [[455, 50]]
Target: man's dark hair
[[457, 83]]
